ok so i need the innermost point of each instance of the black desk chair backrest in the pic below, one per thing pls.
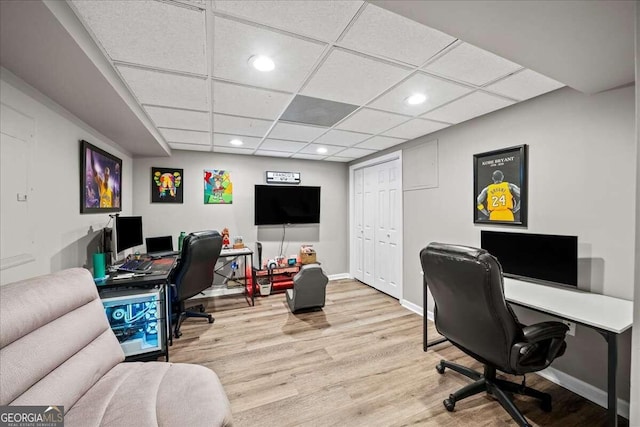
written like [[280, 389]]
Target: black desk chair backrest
[[470, 308], [194, 273]]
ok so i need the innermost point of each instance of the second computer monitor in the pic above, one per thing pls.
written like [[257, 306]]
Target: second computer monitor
[[159, 244]]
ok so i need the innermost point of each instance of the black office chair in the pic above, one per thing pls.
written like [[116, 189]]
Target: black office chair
[[193, 274], [471, 312]]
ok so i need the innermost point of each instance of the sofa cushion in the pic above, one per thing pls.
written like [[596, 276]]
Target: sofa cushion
[[153, 394]]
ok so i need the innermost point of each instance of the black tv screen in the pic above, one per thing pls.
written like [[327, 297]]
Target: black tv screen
[[128, 232], [280, 204], [544, 257]]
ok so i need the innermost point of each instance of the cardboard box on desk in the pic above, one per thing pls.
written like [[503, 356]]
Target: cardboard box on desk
[[307, 255]]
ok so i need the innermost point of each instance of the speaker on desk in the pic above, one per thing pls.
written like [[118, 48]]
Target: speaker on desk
[[259, 253]]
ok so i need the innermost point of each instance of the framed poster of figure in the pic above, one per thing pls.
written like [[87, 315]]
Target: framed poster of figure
[[500, 186], [100, 180], [166, 185]]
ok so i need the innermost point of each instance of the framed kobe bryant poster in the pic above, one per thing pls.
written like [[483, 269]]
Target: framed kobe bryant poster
[[500, 186]]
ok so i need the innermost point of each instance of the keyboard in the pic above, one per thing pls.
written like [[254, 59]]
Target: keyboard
[[136, 265]]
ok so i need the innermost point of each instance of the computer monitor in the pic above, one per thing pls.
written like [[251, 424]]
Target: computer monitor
[[159, 244], [128, 232]]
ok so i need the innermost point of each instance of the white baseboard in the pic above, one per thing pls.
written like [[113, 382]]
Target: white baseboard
[[573, 384], [340, 276]]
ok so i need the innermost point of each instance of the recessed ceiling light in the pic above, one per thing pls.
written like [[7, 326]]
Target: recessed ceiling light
[[236, 142], [321, 150], [416, 98], [262, 63]]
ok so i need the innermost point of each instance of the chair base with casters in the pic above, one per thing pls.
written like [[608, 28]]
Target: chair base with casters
[[498, 388], [181, 314]]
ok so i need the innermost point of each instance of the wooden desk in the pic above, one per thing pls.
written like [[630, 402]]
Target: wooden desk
[[606, 315]]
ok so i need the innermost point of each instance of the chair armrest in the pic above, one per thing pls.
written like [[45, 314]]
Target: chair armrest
[[544, 331]]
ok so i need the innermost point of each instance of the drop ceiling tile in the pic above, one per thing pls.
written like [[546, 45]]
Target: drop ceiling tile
[[524, 85], [324, 20], [178, 119], [186, 136], [172, 90], [342, 138], [151, 33], [309, 156], [379, 143], [387, 34], [189, 147], [470, 64], [476, 104], [340, 159], [355, 152], [224, 140], [294, 132], [438, 92], [247, 101], [350, 78], [414, 128], [233, 150], [316, 111], [235, 43], [371, 121], [281, 145], [313, 149], [240, 125], [272, 153]]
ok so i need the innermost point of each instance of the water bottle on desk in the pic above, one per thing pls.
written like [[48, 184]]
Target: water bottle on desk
[[181, 239]]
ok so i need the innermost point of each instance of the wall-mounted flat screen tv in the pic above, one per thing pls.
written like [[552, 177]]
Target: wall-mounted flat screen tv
[[280, 204], [542, 257]]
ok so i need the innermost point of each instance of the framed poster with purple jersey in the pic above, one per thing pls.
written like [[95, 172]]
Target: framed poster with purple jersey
[[500, 187]]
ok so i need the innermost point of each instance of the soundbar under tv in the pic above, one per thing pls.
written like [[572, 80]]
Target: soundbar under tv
[[534, 257]]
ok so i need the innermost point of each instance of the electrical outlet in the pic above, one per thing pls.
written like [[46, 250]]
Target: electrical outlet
[[572, 327]]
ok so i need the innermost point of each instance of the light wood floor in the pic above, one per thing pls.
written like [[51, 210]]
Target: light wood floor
[[358, 362]]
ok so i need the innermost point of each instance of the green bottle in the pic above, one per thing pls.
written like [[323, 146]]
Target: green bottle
[[181, 239]]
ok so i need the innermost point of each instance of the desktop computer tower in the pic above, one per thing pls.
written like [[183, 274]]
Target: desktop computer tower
[[138, 319]]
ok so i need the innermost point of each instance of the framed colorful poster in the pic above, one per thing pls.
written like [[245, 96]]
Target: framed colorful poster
[[100, 180], [166, 185], [218, 188], [500, 186]]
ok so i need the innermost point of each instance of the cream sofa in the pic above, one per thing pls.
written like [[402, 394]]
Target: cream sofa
[[56, 348]]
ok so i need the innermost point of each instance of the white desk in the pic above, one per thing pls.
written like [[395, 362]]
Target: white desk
[[607, 315], [230, 255]]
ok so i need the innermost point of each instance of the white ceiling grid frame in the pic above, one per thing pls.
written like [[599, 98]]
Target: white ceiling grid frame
[[282, 145], [138, 32], [241, 126], [366, 120], [178, 118], [247, 101], [414, 128], [232, 150], [166, 89], [272, 153], [468, 107], [523, 85], [191, 147], [379, 143], [470, 64], [342, 138], [322, 20], [296, 132], [313, 149], [223, 140], [388, 35], [235, 42], [185, 136]]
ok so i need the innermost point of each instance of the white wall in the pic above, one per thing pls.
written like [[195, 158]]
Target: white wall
[[63, 237], [582, 177], [330, 237]]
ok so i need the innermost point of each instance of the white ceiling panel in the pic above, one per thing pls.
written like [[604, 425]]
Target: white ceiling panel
[[355, 152], [342, 137], [293, 132], [235, 43], [224, 140], [272, 153], [240, 125], [313, 149], [189, 147], [281, 145], [524, 85], [309, 156], [340, 159], [414, 128], [470, 64], [371, 121], [178, 119], [323, 20], [438, 92], [151, 33], [247, 101], [350, 78], [386, 34], [380, 143], [232, 150], [186, 136], [172, 90], [474, 105]]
